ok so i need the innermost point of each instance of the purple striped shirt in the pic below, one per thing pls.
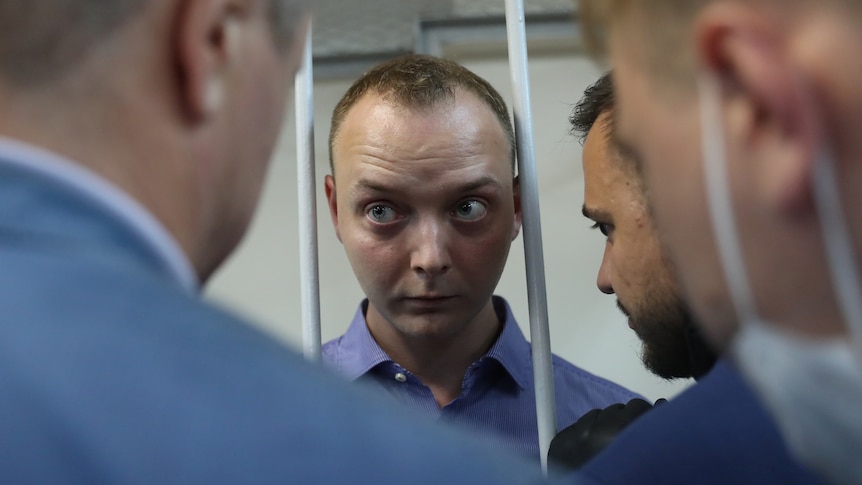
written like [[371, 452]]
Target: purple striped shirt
[[497, 397]]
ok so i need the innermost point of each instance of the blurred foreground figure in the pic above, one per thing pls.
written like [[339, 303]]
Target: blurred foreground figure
[[134, 139], [714, 432], [745, 117]]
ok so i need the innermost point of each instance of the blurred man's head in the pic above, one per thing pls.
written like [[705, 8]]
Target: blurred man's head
[[745, 116], [177, 102], [788, 89], [633, 266], [423, 196]]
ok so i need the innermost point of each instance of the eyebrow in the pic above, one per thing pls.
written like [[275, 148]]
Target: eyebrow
[[481, 182], [595, 214], [365, 184], [484, 181]]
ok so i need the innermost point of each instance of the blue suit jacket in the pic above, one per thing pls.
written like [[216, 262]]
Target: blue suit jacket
[[111, 373], [716, 432]]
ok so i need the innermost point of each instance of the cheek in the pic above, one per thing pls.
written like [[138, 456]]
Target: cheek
[[374, 261], [483, 258], [636, 257], [622, 268]]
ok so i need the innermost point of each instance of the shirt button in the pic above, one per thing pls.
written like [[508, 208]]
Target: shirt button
[[400, 377]]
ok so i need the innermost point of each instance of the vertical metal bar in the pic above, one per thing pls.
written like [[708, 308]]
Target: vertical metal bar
[[546, 409], [305, 182]]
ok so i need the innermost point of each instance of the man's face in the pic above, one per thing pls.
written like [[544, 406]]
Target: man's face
[[633, 267], [426, 209], [659, 129]]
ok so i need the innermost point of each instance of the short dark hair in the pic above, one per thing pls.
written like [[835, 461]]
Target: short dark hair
[[41, 40], [598, 98], [420, 81]]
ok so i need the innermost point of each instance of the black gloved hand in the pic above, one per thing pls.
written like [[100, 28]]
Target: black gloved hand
[[576, 444]]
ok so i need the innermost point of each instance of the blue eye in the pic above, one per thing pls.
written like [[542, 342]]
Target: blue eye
[[381, 214], [605, 229], [470, 210]]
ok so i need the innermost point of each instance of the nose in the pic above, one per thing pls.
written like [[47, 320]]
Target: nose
[[603, 280], [430, 255]]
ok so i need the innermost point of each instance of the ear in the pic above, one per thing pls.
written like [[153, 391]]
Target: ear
[[332, 200], [771, 113], [516, 193], [206, 38]]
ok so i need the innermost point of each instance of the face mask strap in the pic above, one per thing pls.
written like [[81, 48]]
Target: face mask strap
[[718, 198], [840, 255], [839, 249]]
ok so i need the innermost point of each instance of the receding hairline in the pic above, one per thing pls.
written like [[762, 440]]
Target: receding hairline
[[382, 98], [389, 98], [418, 82]]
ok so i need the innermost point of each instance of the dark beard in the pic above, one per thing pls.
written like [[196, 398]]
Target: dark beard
[[661, 327]]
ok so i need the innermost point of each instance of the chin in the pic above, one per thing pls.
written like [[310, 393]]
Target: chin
[[428, 330], [668, 366]]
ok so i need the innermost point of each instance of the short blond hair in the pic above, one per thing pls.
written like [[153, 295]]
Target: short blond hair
[[668, 23], [418, 81]]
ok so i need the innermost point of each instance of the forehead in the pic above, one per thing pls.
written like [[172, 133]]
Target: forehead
[[459, 133], [605, 176], [597, 144]]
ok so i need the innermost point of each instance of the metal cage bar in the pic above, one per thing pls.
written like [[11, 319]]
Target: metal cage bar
[[546, 408], [306, 183]]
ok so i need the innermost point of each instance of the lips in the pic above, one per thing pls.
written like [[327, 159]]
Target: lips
[[428, 297], [428, 301]]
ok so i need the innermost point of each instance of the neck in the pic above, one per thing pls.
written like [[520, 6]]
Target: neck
[[112, 145], [439, 361]]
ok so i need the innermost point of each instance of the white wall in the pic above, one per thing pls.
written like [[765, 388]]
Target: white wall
[[262, 278]]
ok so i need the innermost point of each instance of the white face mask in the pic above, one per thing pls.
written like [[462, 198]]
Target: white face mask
[[812, 387]]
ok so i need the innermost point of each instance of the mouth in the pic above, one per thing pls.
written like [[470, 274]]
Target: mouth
[[428, 301], [428, 297]]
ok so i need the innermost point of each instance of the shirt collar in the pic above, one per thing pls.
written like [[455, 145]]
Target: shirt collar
[[360, 352], [110, 198], [511, 349]]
